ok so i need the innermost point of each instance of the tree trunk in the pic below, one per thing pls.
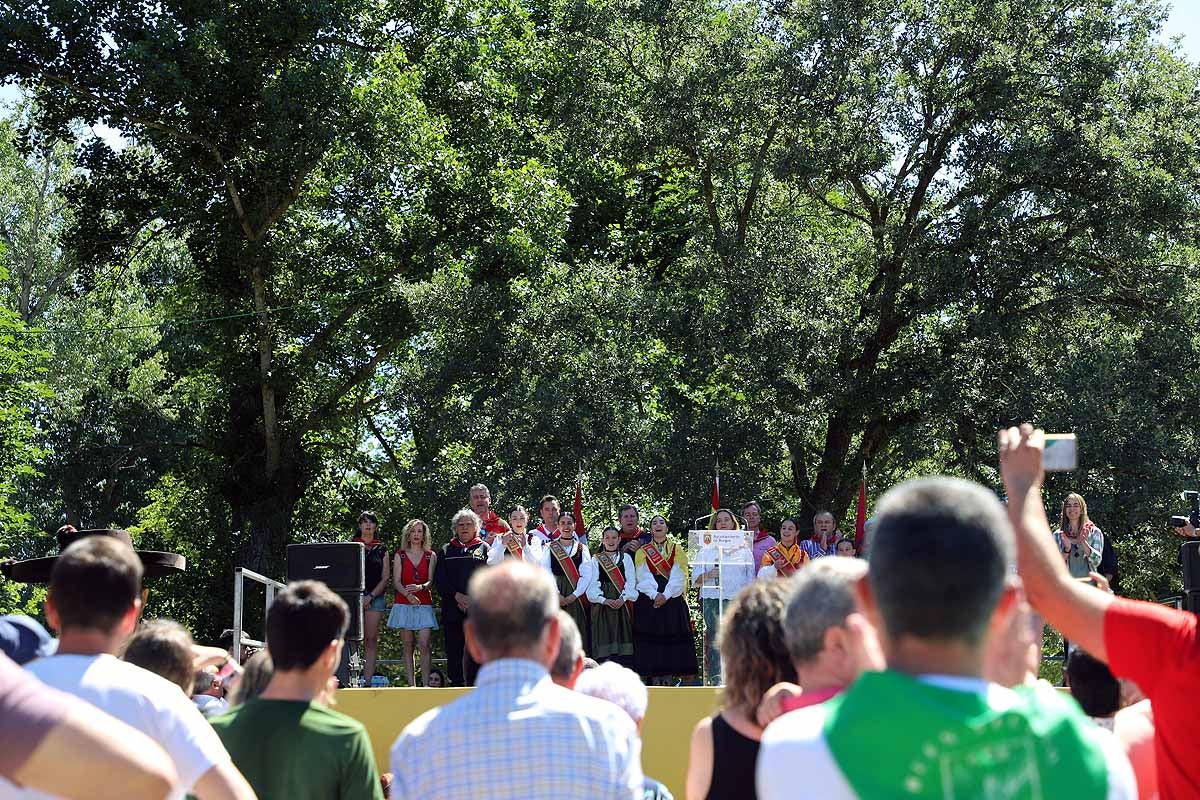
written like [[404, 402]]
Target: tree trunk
[[263, 526]]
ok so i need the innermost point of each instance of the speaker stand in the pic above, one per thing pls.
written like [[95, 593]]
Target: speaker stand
[[349, 671]]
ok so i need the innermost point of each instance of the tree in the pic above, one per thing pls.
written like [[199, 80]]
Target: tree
[[311, 163], [877, 188]]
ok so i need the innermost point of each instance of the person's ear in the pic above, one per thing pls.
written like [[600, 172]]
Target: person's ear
[[1008, 605], [331, 656], [834, 641], [577, 671], [52, 614], [551, 639], [472, 643], [129, 620], [866, 602]]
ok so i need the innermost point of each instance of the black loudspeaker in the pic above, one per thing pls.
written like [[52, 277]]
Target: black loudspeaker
[[353, 599], [1191, 602], [1189, 556], [339, 565]]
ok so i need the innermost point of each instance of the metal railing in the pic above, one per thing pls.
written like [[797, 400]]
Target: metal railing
[[240, 575]]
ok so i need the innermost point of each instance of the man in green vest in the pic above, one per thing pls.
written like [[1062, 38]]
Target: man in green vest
[[942, 582]]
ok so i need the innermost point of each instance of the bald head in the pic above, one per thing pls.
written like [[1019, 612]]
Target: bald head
[[512, 609], [569, 662]]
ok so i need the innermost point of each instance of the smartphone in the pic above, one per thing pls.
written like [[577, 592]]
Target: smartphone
[[1060, 455]]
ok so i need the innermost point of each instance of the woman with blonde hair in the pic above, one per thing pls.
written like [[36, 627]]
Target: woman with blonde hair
[[1079, 540], [755, 657], [413, 608]]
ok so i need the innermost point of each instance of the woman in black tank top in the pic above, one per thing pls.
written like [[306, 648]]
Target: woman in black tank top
[[725, 746]]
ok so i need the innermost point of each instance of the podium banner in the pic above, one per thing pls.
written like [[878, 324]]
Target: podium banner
[[722, 564]]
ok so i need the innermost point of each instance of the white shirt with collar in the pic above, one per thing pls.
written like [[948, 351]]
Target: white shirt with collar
[[589, 578], [542, 533], [531, 552]]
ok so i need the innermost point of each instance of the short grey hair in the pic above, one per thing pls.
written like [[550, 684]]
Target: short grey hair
[[570, 647], [509, 607], [941, 554], [822, 597], [462, 514], [618, 685]]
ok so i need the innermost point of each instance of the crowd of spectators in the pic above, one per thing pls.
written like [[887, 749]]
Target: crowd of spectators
[[913, 674]]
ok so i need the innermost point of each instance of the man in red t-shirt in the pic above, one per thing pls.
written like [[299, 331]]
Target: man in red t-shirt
[[481, 503], [1156, 647]]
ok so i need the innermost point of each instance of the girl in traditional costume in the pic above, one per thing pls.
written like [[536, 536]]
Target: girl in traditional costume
[[516, 543], [567, 557], [611, 587], [783, 559], [662, 630]]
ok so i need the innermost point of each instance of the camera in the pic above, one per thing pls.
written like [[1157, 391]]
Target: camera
[[1193, 516]]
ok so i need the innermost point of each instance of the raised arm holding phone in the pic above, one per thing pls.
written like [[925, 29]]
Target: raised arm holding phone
[[1157, 647]]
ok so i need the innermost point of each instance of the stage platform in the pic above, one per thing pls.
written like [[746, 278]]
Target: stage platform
[[666, 731]]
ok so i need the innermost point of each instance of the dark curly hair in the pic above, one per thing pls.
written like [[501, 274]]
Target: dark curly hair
[[753, 649]]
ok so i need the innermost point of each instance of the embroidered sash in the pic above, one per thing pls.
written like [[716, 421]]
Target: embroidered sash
[[513, 545], [655, 559], [564, 561], [783, 564], [613, 570]]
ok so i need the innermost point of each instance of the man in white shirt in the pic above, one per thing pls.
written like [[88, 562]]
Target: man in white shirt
[[39, 724], [940, 586], [512, 629], [547, 529], [208, 692], [94, 603]]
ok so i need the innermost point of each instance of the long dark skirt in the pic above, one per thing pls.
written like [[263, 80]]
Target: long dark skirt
[[662, 638], [612, 630], [578, 611]]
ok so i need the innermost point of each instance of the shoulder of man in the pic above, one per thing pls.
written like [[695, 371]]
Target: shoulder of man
[[110, 675], [1059, 717], [226, 720], [557, 699], [334, 722], [415, 731], [794, 744], [802, 726]]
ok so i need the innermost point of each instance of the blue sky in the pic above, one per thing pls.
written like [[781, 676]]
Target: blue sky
[[1185, 21]]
